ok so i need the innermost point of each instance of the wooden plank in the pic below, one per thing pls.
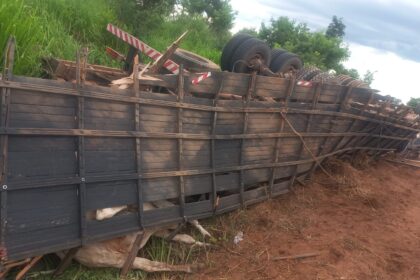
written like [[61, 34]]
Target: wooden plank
[[80, 119], [138, 151], [146, 101], [315, 98], [251, 90], [180, 92]]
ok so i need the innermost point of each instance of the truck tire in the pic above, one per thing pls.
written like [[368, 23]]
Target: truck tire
[[286, 62], [194, 62], [229, 49], [251, 48], [276, 52]]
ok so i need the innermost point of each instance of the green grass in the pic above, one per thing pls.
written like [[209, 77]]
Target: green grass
[[199, 38], [59, 27]]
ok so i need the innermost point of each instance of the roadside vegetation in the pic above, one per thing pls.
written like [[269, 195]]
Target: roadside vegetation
[[59, 27]]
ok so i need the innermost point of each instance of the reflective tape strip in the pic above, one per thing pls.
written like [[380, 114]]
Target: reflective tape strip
[[143, 47], [200, 78], [304, 83]]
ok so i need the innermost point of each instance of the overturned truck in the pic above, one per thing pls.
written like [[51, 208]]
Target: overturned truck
[[225, 142]]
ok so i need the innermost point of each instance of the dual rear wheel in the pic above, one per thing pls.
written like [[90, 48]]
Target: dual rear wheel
[[242, 50]]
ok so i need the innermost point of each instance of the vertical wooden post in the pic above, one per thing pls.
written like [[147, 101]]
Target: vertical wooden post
[[213, 143], [65, 262], [136, 87], [251, 90], [315, 98], [354, 121], [22, 273], [132, 255], [137, 242], [4, 142], [388, 143], [290, 88], [343, 103], [403, 131], [81, 61], [368, 139], [181, 89]]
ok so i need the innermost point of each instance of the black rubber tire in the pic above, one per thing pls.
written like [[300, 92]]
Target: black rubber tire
[[276, 52], [194, 62], [285, 62], [230, 48], [248, 50]]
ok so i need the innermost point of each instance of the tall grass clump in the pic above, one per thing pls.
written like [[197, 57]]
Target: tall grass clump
[[59, 27], [199, 39], [36, 36], [55, 28]]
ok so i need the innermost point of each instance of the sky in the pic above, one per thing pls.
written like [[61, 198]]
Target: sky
[[382, 35]]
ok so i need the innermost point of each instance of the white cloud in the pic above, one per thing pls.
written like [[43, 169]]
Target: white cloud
[[394, 75], [250, 14]]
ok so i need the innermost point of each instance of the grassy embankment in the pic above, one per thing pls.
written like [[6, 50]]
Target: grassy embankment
[[59, 27]]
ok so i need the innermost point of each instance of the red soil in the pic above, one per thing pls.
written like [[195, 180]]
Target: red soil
[[368, 228]]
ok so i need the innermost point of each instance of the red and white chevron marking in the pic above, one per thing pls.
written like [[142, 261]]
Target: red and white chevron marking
[[143, 47], [304, 83], [200, 78]]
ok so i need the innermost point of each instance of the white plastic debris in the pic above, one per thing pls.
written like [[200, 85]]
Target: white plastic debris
[[238, 237]]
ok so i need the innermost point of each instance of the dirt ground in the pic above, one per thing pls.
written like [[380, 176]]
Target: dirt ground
[[365, 224]]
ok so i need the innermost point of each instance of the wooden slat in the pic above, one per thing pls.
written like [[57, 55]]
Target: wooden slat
[[127, 99], [80, 117], [251, 90], [4, 140], [136, 116], [290, 90], [315, 98], [213, 152], [180, 92]]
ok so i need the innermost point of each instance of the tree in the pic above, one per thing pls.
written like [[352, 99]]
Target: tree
[[368, 78], [315, 48], [219, 13], [336, 28], [249, 31], [413, 102], [142, 16]]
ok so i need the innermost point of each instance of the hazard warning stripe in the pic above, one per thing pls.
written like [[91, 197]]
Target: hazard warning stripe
[[304, 83], [200, 78], [143, 47]]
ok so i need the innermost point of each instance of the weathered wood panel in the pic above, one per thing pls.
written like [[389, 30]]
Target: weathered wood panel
[[73, 149]]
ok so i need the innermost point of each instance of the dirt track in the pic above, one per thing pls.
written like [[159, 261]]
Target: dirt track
[[368, 228]]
